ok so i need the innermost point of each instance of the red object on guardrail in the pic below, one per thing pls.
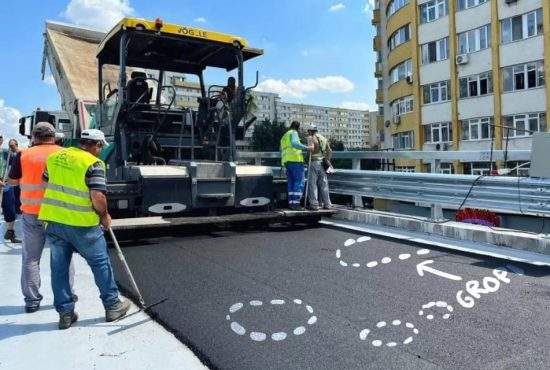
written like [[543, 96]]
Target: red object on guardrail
[[478, 217]]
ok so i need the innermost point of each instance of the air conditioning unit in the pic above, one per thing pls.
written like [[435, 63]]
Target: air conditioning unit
[[462, 59], [409, 79], [509, 2], [397, 120]]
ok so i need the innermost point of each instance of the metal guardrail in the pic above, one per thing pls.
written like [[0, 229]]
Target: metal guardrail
[[512, 195], [428, 156]]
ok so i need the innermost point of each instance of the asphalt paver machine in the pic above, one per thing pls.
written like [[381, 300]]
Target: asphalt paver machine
[[164, 159]]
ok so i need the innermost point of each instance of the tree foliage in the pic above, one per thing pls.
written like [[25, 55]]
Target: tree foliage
[[267, 136], [336, 145]]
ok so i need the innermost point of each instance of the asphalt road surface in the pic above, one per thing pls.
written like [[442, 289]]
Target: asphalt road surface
[[282, 299]]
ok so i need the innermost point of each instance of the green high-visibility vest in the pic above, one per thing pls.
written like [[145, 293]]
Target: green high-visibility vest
[[67, 197], [288, 153]]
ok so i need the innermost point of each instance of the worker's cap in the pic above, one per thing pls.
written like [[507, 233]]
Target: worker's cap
[[94, 135], [312, 127], [43, 129]]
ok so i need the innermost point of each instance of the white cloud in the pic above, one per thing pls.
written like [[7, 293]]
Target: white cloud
[[9, 124], [369, 7], [200, 20], [100, 14], [337, 7], [358, 106], [299, 88], [50, 81]]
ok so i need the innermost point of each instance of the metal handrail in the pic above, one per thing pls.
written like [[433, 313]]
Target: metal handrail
[[503, 194]]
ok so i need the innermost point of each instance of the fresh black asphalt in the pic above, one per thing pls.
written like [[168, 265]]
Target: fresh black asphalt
[[203, 275]]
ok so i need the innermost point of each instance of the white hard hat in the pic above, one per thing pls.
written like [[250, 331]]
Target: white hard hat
[[95, 135], [312, 127]]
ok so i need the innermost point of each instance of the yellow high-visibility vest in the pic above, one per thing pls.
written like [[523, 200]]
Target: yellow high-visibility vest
[[288, 153], [67, 197]]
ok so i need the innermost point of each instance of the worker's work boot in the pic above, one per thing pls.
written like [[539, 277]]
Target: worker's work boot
[[67, 319], [10, 235], [117, 311]]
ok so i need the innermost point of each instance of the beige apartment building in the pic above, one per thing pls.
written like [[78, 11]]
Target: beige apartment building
[[461, 75]]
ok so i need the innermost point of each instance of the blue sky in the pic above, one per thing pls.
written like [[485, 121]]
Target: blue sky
[[316, 51]]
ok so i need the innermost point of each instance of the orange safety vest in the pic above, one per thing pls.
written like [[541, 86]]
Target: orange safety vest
[[33, 164]]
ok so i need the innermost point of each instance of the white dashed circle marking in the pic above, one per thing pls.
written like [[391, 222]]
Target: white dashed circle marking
[[432, 306], [278, 336], [363, 334], [371, 264]]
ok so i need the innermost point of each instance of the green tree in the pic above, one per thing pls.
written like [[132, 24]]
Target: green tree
[[250, 104], [267, 136], [336, 145]]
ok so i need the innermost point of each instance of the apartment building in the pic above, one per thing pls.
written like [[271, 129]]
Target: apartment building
[[352, 127], [461, 75]]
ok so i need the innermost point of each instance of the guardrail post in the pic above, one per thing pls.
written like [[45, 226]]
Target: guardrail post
[[436, 209], [357, 199]]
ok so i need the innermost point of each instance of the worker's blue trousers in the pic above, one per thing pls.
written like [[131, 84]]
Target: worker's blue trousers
[[90, 243], [295, 182]]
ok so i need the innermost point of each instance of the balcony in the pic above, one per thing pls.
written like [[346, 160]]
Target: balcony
[[378, 70], [379, 96], [375, 17], [377, 43]]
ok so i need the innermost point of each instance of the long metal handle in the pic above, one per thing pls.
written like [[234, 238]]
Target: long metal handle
[[127, 268]]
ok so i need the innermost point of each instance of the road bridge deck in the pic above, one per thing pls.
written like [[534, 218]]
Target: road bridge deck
[[323, 298]]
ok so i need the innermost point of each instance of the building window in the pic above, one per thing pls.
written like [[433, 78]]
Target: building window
[[477, 85], [403, 140], [433, 10], [399, 37], [402, 105], [438, 133], [409, 169], [401, 71], [477, 168], [394, 6], [435, 51], [467, 4], [523, 76], [520, 168], [477, 128], [474, 40], [523, 125], [521, 26], [437, 92], [446, 168]]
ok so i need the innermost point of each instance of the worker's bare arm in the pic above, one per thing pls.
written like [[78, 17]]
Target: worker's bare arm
[[99, 202], [12, 182]]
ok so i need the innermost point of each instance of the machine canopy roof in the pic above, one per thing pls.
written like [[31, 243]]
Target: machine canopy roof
[[172, 47]]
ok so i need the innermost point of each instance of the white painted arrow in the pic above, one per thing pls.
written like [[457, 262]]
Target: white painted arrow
[[422, 267]]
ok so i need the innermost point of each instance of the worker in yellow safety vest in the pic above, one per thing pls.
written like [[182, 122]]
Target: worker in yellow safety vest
[[73, 207], [293, 161]]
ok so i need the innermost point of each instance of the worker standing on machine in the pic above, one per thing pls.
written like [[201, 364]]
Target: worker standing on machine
[[293, 161], [26, 171], [74, 206]]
